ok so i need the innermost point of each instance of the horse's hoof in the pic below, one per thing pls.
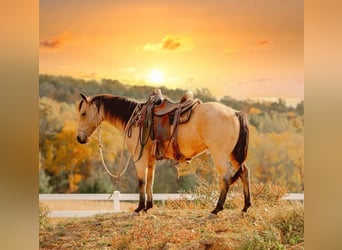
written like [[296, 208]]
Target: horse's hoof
[[212, 216], [151, 217], [243, 214], [133, 215]]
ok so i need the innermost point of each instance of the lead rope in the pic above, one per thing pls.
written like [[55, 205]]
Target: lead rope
[[104, 164], [98, 138]]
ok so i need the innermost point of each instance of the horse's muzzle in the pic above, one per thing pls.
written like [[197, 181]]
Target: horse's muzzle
[[82, 139]]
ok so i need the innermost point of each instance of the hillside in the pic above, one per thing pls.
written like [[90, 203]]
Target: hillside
[[269, 224]]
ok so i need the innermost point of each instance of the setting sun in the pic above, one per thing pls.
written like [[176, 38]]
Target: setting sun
[[156, 76]]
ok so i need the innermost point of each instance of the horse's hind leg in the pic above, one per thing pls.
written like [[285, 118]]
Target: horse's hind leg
[[245, 178], [225, 178]]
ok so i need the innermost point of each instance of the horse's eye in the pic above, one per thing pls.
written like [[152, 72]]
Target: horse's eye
[[83, 114]]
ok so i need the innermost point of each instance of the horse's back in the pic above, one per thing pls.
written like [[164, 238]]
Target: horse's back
[[216, 110]]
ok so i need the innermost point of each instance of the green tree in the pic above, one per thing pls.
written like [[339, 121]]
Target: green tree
[[300, 108], [44, 185], [273, 157], [97, 182]]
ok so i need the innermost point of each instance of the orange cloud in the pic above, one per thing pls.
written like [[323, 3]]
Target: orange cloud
[[246, 47], [56, 42], [263, 42], [169, 43]]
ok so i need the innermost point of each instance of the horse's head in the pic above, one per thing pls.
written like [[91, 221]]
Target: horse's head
[[89, 118]]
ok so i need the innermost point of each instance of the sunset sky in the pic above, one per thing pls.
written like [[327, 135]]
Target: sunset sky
[[243, 49]]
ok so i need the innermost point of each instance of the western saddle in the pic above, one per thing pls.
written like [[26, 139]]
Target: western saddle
[[166, 106], [157, 117]]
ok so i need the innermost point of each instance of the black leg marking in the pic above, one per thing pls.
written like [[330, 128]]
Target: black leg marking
[[141, 205], [246, 187], [149, 205], [222, 198], [142, 198], [247, 204], [247, 199], [220, 202]]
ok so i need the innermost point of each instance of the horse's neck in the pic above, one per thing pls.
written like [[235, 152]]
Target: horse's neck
[[117, 123], [116, 111]]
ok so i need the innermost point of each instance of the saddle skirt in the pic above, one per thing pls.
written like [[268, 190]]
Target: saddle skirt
[[169, 113]]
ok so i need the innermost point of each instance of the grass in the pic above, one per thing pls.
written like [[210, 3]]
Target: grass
[[269, 224]]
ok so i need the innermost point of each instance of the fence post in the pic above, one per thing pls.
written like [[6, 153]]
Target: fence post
[[116, 200]]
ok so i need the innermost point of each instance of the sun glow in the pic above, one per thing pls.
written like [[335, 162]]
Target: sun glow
[[156, 76]]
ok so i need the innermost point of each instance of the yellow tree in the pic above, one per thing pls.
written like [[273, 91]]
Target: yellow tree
[[277, 158], [296, 155], [66, 157]]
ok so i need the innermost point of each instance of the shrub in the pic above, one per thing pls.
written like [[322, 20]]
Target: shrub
[[44, 221], [98, 182], [261, 195], [44, 186], [267, 194], [205, 193], [268, 238], [290, 223], [205, 196]]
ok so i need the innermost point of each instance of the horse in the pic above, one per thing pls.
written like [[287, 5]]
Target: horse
[[213, 126]]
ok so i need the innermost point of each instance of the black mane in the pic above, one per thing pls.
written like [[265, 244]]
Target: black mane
[[116, 106]]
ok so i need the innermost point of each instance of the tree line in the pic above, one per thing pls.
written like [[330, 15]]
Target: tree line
[[276, 150]]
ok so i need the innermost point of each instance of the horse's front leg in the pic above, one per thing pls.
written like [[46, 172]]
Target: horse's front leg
[[150, 181], [141, 169]]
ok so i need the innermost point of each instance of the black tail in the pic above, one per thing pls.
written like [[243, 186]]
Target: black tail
[[241, 147]]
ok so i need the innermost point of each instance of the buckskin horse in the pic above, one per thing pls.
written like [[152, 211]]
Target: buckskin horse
[[212, 126]]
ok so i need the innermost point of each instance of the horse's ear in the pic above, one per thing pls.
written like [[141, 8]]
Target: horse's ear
[[84, 97]]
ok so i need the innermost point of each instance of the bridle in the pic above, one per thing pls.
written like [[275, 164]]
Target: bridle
[[98, 122]]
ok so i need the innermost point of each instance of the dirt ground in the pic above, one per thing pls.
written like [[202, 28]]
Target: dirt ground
[[60, 205]]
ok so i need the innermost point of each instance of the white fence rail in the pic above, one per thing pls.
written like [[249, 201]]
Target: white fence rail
[[116, 197]]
